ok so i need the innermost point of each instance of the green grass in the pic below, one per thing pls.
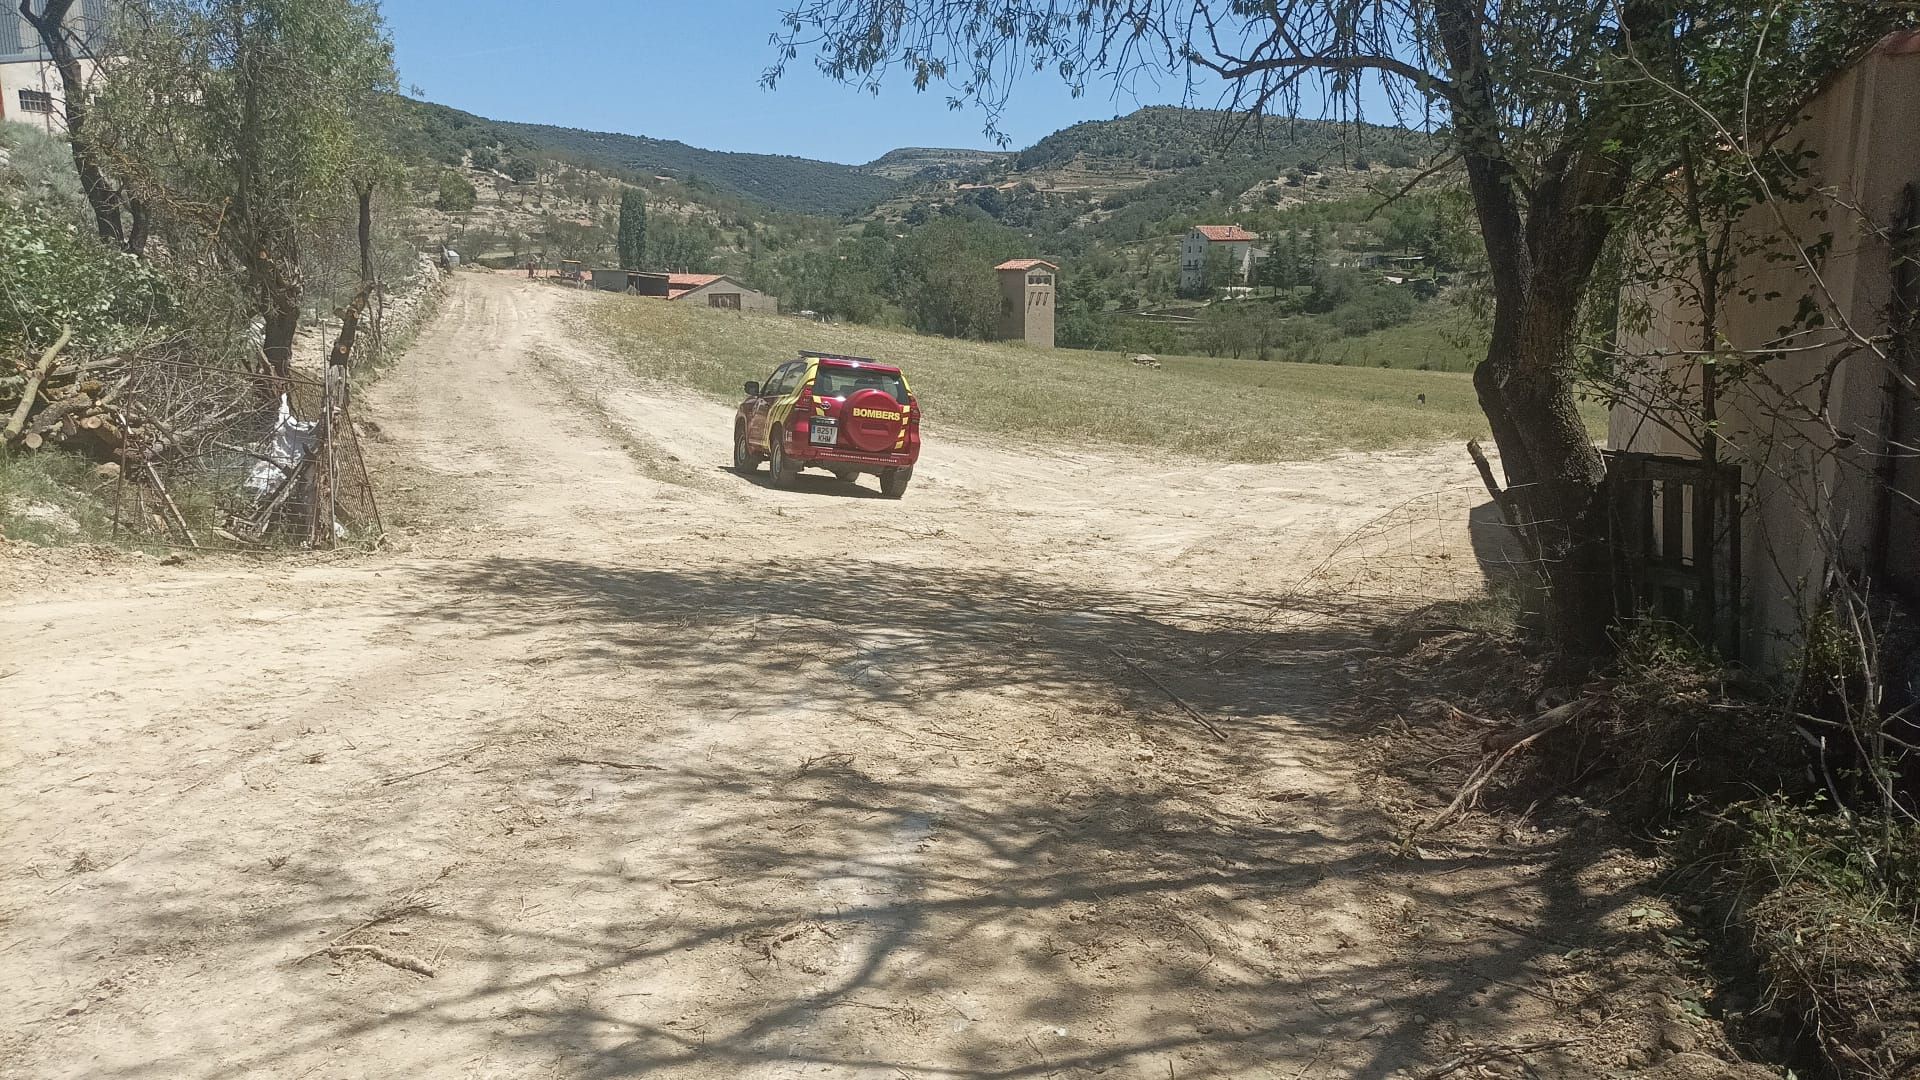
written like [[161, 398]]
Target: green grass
[[1438, 338], [1220, 409], [47, 499]]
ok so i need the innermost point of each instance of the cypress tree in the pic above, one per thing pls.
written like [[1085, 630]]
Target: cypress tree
[[632, 240]]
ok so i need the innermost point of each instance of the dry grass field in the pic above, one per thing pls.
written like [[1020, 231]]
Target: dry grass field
[[1223, 409]]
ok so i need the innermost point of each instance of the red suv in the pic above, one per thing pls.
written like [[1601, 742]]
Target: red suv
[[846, 414]]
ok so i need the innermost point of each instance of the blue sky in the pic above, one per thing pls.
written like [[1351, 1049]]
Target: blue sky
[[689, 70]]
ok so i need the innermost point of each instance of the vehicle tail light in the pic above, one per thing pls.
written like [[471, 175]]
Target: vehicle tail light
[[805, 401]]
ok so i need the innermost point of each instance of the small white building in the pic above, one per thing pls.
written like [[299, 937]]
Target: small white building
[[1204, 242], [30, 88]]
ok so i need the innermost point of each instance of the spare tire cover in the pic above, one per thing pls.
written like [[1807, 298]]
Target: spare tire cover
[[872, 420]]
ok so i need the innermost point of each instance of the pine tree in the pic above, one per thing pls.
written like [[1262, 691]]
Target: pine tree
[[632, 241]]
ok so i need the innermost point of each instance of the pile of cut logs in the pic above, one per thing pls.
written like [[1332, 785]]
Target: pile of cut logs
[[72, 406], [116, 408]]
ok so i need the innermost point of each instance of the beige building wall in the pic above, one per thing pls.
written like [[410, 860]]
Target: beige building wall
[[36, 77], [1812, 503], [24, 64], [731, 296], [1027, 306]]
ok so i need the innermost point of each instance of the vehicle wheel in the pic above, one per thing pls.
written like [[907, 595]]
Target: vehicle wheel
[[893, 482], [744, 459], [846, 476], [784, 471]]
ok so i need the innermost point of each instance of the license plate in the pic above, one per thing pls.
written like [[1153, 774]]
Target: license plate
[[825, 433]]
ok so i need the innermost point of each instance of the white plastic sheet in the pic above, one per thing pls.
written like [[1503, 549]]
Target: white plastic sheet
[[284, 449]]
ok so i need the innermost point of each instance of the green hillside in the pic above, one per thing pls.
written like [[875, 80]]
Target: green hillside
[[1352, 276], [793, 184], [915, 164], [1167, 138]]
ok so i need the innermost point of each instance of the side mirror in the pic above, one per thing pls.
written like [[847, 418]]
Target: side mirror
[[753, 389]]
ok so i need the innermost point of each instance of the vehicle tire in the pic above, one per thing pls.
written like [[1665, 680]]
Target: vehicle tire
[[785, 472], [893, 482], [846, 476], [744, 459]]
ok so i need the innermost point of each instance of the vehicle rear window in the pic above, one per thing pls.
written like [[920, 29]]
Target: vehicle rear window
[[835, 381]]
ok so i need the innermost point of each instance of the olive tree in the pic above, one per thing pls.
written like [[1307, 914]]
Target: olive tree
[[1543, 104], [245, 125]]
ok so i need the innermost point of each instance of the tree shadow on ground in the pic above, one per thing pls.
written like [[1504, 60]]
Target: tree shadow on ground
[[925, 631], [1174, 909]]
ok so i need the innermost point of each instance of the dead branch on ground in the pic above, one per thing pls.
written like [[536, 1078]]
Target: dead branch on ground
[[1167, 690], [449, 763], [392, 959], [1503, 745], [408, 905]]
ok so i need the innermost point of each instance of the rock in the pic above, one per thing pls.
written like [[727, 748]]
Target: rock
[[108, 471], [1679, 1037], [173, 558]]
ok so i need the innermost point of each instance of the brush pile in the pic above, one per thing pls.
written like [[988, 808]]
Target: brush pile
[[201, 454]]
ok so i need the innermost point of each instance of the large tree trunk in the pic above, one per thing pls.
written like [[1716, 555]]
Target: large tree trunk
[[102, 197], [363, 191], [282, 319], [1540, 265], [1557, 477]]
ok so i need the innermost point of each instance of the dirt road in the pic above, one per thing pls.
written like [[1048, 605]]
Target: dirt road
[[662, 772]]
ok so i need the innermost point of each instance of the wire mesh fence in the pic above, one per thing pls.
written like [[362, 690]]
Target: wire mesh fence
[[214, 457]]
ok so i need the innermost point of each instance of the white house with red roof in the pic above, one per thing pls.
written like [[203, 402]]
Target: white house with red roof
[[1204, 242]]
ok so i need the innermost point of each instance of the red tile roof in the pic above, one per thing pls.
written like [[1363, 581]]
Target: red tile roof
[[679, 285], [1218, 233], [1025, 264]]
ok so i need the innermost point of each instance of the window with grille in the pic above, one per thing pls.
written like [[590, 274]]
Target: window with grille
[[36, 101]]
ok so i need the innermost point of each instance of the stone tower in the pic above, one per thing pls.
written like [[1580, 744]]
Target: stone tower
[[1026, 301]]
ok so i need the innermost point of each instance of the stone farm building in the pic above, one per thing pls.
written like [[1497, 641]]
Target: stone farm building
[[1205, 242], [30, 90], [718, 291], [706, 290]]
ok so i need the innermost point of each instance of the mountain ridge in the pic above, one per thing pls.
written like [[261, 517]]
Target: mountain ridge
[[780, 181]]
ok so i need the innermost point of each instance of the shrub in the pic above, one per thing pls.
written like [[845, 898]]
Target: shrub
[[522, 170], [456, 193], [1375, 309], [54, 272], [40, 169], [1830, 904], [486, 157]]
